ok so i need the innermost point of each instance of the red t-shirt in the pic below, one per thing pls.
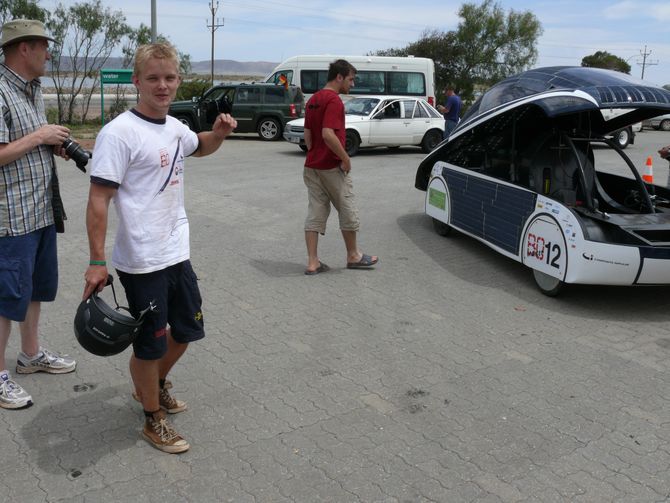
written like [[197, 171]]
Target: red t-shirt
[[324, 109]]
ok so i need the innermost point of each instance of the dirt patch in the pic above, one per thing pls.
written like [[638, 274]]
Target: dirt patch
[[87, 143]]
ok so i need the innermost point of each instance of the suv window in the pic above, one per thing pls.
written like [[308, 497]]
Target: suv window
[[275, 94], [248, 95]]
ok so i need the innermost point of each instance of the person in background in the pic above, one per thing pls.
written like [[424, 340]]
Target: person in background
[[138, 162], [31, 210], [451, 110], [327, 170]]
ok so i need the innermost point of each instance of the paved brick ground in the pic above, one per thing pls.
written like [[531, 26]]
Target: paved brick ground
[[443, 375]]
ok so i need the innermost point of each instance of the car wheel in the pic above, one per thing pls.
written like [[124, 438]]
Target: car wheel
[[548, 285], [269, 129], [430, 140], [184, 119], [622, 137], [665, 125], [303, 148], [441, 228], [352, 143]]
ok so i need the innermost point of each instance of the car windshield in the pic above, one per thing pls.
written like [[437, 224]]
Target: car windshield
[[360, 106]]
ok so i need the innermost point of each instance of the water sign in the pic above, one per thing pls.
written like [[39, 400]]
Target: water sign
[[108, 76]]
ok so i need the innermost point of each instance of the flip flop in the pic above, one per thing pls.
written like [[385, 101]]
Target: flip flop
[[365, 262], [322, 268]]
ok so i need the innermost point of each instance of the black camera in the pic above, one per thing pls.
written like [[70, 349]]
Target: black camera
[[77, 153]]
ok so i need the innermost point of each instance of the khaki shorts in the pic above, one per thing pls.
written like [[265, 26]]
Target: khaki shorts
[[326, 186]]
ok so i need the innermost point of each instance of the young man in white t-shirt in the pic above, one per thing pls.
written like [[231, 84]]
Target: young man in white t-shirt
[[138, 162]]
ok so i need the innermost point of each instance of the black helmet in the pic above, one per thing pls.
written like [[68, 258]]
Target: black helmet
[[105, 331]]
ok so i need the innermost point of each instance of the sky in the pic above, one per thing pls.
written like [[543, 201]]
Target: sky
[[274, 30]]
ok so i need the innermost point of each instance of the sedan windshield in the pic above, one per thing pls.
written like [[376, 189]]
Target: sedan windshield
[[360, 106]]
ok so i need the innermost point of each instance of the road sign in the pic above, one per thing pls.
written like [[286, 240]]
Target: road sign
[[109, 76]]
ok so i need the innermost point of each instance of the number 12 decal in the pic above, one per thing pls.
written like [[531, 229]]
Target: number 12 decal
[[543, 250], [544, 247]]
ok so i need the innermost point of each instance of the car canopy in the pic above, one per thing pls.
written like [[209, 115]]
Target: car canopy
[[523, 110], [583, 89]]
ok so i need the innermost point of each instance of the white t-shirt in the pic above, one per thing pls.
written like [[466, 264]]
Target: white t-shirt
[[145, 157]]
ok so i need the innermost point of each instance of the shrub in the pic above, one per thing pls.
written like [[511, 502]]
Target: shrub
[[190, 88]]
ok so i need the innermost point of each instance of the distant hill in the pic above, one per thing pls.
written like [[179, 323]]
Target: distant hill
[[221, 66]]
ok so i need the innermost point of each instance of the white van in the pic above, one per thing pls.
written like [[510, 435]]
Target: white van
[[378, 75]]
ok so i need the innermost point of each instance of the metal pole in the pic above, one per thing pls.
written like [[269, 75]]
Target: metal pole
[[153, 21], [213, 29]]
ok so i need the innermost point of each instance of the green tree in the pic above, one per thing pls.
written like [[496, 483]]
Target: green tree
[[14, 9], [603, 59], [86, 34], [487, 46]]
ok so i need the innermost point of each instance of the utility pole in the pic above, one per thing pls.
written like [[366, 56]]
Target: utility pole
[[153, 21], [216, 23], [646, 63]]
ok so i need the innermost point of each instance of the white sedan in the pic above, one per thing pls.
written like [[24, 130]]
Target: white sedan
[[383, 121]]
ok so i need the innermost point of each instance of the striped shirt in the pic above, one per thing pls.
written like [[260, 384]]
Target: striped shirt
[[26, 184]]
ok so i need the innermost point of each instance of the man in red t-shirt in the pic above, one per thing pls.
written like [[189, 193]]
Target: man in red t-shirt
[[327, 168]]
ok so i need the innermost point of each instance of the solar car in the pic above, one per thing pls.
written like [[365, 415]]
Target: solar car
[[519, 174]]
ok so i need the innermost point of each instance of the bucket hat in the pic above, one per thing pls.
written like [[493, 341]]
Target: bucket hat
[[22, 29]]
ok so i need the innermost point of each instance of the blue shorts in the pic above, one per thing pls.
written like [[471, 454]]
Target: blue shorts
[[28, 271], [175, 293]]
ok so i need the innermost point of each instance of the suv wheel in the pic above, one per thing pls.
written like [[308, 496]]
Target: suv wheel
[[269, 129], [184, 119]]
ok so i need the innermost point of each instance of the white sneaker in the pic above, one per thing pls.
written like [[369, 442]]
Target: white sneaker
[[12, 396], [53, 363]]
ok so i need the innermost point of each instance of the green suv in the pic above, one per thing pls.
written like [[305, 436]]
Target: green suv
[[262, 108]]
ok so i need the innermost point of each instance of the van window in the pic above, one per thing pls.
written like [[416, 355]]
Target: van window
[[274, 94], [274, 79], [369, 83], [313, 80], [410, 83]]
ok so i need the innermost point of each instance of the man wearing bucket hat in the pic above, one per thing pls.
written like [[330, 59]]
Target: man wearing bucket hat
[[31, 210]]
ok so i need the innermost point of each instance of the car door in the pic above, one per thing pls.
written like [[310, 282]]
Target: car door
[[210, 105], [416, 120], [387, 125], [247, 102]]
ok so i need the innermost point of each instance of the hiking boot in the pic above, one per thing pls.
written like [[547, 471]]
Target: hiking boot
[[162, 435], [170, 404], [13, 396], [53, 363]]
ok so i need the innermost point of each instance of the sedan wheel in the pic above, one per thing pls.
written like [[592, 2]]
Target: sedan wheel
[[269, 129], [665, 125], [430, 140], [352, 143], [622, 138]]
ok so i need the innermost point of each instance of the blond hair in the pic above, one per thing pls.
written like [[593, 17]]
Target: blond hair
[[159, 51]]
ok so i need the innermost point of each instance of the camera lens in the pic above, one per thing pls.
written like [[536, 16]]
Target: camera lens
[[77, 153]]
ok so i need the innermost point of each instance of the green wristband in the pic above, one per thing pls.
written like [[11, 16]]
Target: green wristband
[[97, 262]]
